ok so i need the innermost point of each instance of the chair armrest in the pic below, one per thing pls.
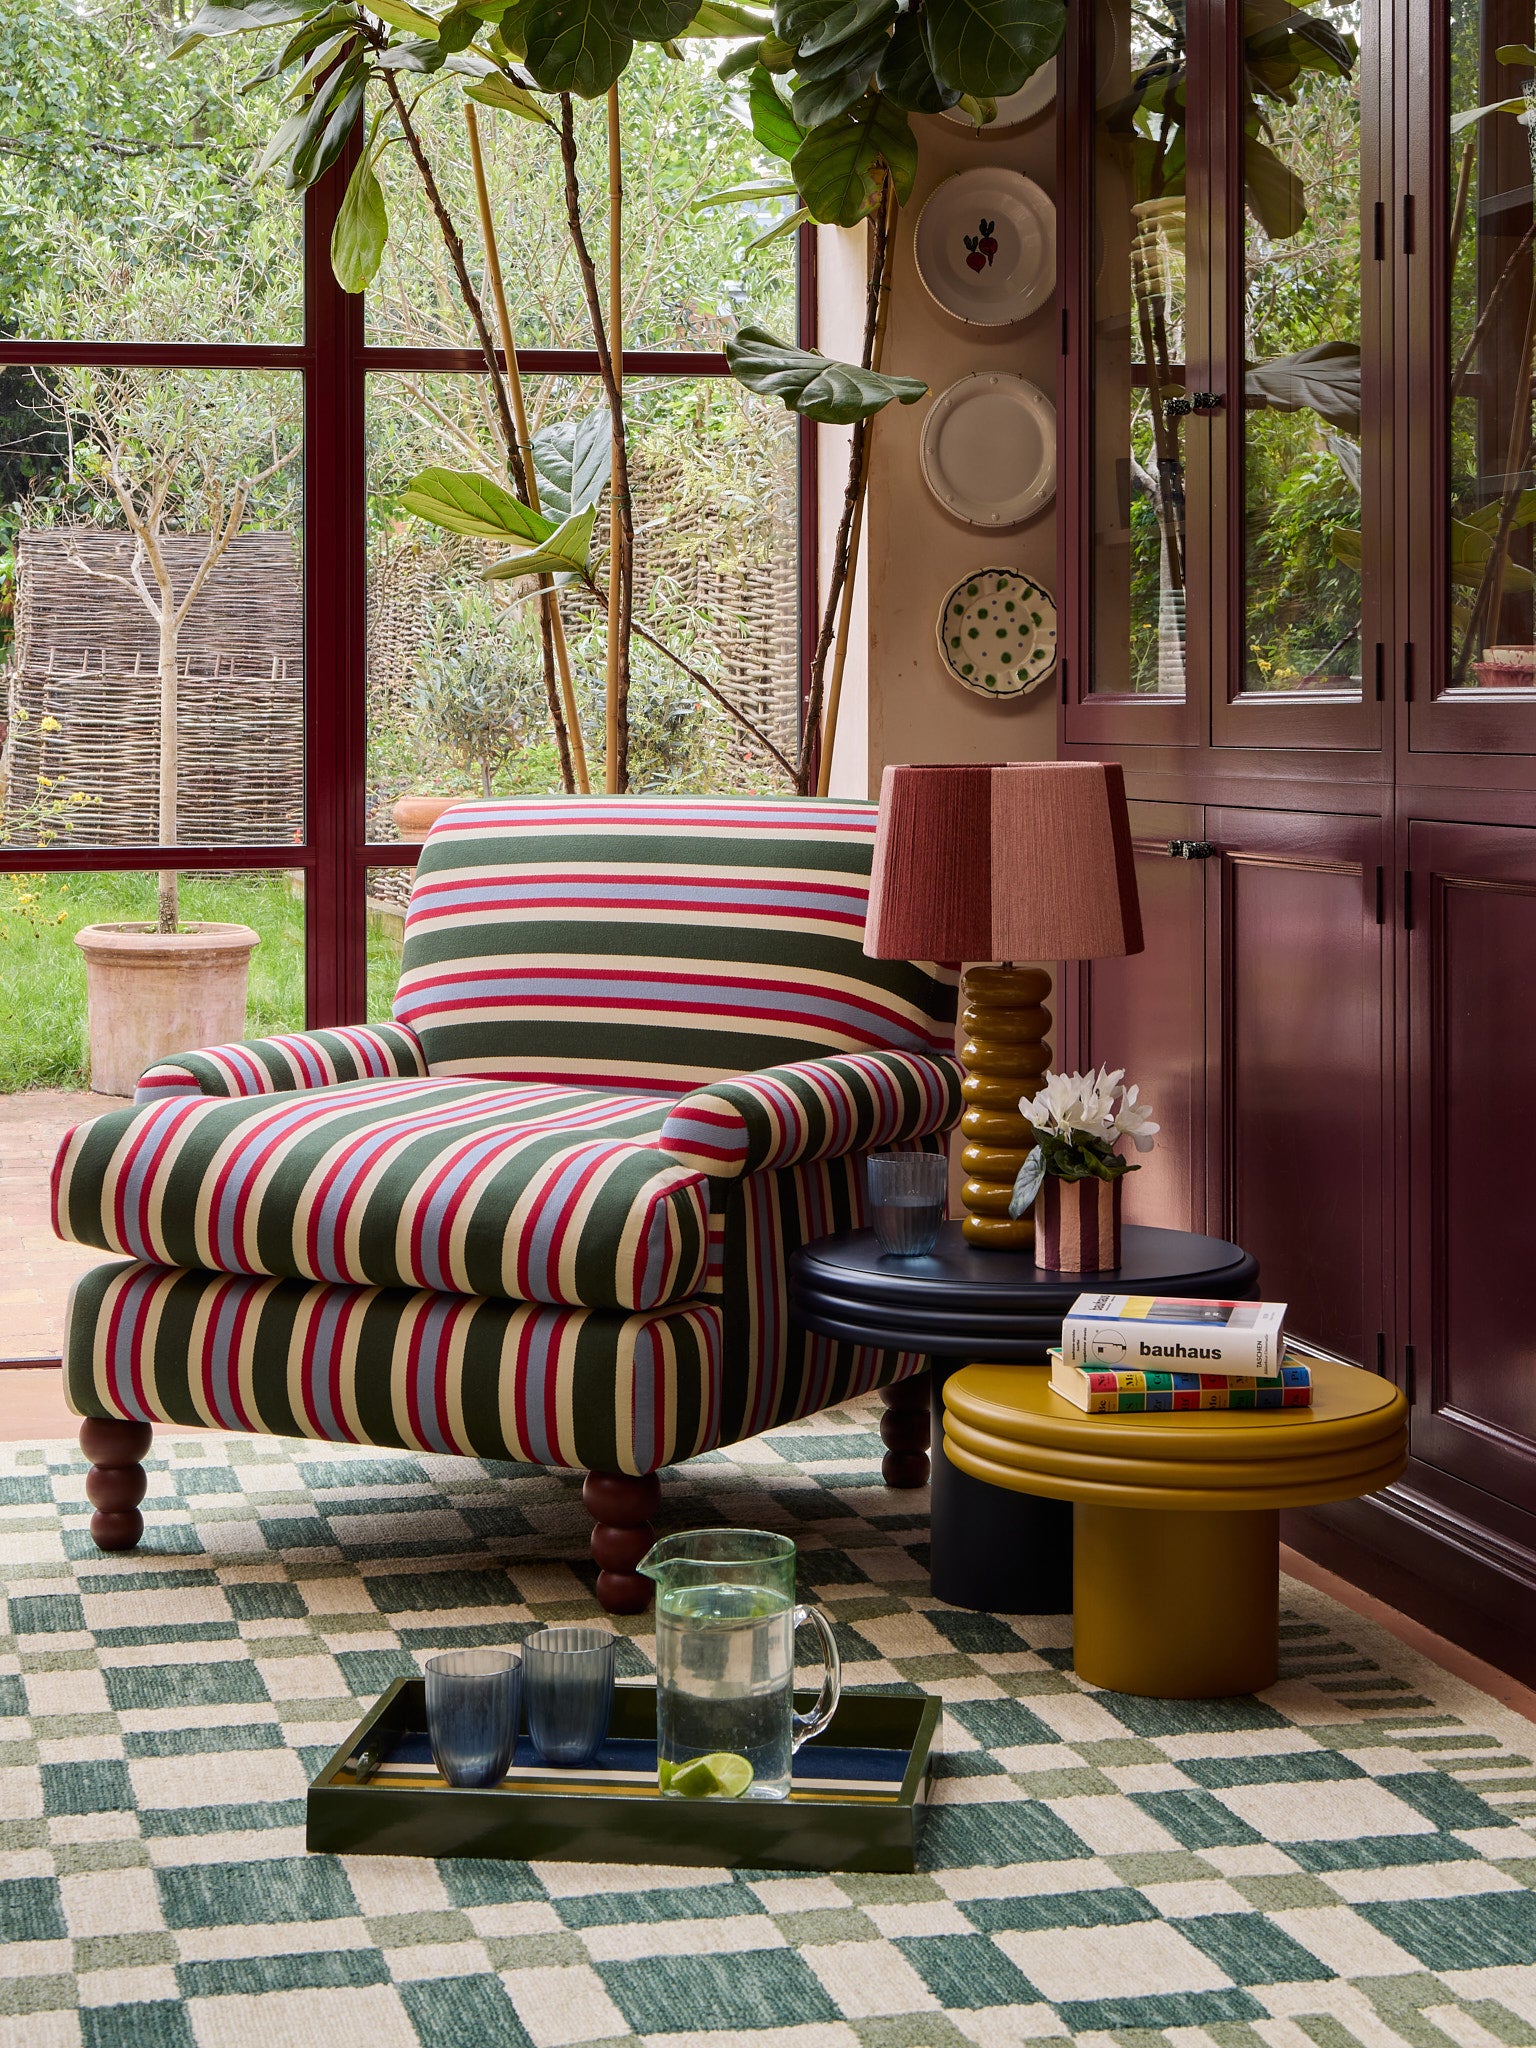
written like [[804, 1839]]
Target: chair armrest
[[812, 1109], [286, 1064]]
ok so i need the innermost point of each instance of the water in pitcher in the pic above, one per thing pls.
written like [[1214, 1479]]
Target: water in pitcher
[[725, 1675]]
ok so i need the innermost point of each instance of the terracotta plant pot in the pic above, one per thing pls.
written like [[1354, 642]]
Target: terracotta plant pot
[[414, 816], [1077, 1225], [150, 994]]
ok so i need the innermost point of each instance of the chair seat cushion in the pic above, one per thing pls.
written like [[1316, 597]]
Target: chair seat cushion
[[529, 1193]]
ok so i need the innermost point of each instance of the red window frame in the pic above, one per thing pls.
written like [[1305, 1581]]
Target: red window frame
[[334, 362]]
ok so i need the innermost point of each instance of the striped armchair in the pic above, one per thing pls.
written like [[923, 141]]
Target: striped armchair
[[636, 1058]]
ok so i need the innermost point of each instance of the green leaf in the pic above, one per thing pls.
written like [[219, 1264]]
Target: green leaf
[[741, 195], [361, 230], [400, 15], [656, 21], [458, 29], [417, 56], [1276, 197], [501, 93], [990, 47], [772, 123], [568, 549], [721, 19], [324, 32], [905, 75], [216, 20], [843, 21], [734, 62], [321, 141], [813, 385], [786, 226], [576, 46], [572, 458], [837, 166], [462, 501], [1516, 53], [1476, 114], [891, 131], [775, 55], [1347, 547], [836, 80]]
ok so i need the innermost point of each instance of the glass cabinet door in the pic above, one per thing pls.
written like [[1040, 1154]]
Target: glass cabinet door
[[1297, 513], [1469, 294]]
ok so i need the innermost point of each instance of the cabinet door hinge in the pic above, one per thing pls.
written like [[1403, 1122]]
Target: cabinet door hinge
[[1381, 670], [1066, 696], [1407, 671], [1410, 1375], [1381, 895], [1379, 231], [1407, 899], [1065, 330], [1408, 224], [1381, 1351]]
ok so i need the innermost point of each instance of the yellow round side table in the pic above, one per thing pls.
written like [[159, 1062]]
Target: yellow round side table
[[1176, 1516]]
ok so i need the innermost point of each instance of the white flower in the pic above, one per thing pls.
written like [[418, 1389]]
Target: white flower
[[1076, 1106]]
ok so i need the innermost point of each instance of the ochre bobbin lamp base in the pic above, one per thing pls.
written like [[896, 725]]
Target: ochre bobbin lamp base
[[1003, 1022], [1026, 860]]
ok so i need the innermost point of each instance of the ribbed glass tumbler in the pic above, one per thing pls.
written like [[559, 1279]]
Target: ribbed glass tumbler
[[906, 1200], [568, 1681], [472, 1710]]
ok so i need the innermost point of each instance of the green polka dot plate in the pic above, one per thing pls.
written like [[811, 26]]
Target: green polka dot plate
[[997, 633]]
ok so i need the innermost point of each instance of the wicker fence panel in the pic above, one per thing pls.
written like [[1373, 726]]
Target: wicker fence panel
[[86, 656]]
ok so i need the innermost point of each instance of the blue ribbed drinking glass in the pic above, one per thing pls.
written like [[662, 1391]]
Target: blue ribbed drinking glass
[[568, 1684], [906, 1200], [472, 1705]]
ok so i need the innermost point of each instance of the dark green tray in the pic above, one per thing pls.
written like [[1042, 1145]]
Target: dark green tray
[[801, 1833]]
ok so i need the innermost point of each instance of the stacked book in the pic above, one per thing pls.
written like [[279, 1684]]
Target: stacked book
[[1125, 1354]]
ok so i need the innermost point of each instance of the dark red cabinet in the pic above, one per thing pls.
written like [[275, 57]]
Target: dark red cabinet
[[1471, 952]]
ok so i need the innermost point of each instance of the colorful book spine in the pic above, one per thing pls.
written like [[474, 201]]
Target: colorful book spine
[[1153, 1335], [1106, 1390]]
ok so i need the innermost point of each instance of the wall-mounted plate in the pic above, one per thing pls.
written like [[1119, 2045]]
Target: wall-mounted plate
[[1033, 98], [986, 246], [989, 449], [997, 633]]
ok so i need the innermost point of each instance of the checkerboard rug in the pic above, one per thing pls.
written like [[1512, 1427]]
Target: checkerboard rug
[[1349, 1858]]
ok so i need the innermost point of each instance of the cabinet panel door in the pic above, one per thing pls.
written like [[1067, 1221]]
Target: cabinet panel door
[[1471, 968], [1147, 1014], [1302, 1064]]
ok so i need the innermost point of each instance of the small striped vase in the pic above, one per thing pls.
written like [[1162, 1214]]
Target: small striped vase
[[1077, 1225]]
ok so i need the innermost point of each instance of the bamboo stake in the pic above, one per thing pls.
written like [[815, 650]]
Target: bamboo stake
[[551, 599], [856, 532], [612, 758]]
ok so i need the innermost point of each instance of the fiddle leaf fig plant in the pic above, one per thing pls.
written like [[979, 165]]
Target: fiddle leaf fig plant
[[831, 88]]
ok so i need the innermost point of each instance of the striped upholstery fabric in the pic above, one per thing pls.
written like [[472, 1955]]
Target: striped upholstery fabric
[[549, 1195], [418, 1371], [297, 1059], [662, 942], [816, 1109]]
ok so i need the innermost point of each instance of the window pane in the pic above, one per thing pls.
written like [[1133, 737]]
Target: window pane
[[45, 1040], [81, 753], [687, 278], [126, 210], [1301, 420], [1493, 508], [455, 678], [1138, 474], [389, 892]]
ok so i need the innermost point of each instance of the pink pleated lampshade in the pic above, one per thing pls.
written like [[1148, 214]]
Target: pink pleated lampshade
[[1020, 860]]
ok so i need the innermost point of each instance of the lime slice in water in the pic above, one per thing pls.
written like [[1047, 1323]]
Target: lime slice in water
[[719, 1776]]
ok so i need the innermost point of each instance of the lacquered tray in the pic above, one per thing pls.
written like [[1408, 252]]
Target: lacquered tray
[[857, 1802]]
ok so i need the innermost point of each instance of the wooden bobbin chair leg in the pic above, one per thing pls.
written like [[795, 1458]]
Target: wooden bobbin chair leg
[[904, 1431], [117, 1481], [621, 1508]]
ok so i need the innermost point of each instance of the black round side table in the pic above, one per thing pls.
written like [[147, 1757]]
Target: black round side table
[[993, 1550]]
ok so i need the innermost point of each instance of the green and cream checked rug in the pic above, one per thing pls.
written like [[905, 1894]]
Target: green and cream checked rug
[[1349, 1859]]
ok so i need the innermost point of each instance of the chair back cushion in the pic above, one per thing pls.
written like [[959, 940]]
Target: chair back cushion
[[653, 942]]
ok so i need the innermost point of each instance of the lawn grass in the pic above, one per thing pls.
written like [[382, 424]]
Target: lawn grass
[[43, 1041]]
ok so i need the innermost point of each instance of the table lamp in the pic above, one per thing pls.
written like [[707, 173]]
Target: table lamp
[[1023, 860]]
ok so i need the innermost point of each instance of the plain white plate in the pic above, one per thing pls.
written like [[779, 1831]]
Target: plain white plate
[[996, 631], [989, 449], [1032, 99], [986, 246]]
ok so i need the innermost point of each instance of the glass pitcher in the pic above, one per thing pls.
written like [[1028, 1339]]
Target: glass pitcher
[[726, 1725]]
